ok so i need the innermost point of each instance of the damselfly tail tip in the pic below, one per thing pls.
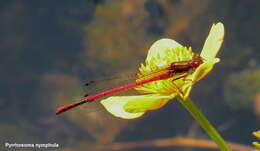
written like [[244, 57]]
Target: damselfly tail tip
[[59, 110]]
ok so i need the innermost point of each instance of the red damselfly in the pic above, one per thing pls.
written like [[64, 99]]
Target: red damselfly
[[182, 68]]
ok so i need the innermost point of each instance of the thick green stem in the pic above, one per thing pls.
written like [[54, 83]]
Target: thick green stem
[[204, 123]]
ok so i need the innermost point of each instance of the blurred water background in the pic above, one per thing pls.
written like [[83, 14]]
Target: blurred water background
[[48, 49]]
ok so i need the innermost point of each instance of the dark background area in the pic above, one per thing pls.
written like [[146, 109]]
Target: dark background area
[[48, 49]]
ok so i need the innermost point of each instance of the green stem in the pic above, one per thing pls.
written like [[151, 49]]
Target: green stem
[[204, 123]]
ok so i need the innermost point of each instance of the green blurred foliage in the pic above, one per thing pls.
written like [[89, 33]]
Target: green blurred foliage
[[241, 89], [122, 31], [115, 38]]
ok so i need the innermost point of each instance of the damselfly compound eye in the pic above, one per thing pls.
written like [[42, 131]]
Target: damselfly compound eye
[[196, 63]]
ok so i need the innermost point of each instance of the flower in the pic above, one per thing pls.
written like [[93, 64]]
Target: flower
[[256, 144], [156, 94]]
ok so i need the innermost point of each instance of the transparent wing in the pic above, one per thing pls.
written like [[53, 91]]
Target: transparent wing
[[96, 86]]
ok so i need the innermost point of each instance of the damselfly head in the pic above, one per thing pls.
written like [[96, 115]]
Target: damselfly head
[[197, 60]]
